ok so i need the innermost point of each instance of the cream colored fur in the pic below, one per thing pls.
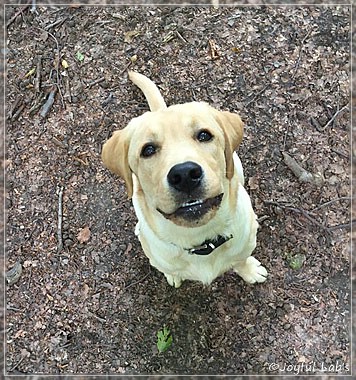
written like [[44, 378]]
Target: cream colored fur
[[165, 242]]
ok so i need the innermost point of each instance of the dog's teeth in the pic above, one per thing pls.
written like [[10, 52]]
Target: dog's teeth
[[192, 203]]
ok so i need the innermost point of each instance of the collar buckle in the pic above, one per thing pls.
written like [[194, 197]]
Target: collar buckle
[[209, 246]]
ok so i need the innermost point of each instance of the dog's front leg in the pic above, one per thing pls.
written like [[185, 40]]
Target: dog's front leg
[[173, 280]]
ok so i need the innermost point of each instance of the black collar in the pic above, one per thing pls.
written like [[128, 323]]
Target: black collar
[[209, 246]]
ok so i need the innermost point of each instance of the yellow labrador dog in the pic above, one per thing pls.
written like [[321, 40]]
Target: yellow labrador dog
[[195, 219]]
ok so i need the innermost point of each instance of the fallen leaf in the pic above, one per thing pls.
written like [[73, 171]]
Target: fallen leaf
[[128, 249], [49, 297], [65, 64], [85, 291], [253, 183], [44, 36], [84, 235], [83, 197], [130, 35]]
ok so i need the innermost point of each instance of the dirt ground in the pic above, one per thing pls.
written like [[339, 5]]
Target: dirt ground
[[95, 307]]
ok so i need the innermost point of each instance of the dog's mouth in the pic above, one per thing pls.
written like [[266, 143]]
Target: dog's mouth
[[194, 209]]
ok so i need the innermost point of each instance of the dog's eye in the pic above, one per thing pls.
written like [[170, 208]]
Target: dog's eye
[[204, 136], [148, 150]]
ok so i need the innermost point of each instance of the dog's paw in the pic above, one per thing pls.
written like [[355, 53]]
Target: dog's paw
[[173, 280], [252, 271]]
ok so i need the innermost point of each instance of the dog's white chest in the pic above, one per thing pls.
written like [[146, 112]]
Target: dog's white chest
[[169, 253]]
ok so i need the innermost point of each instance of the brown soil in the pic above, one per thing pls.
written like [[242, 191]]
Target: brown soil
[[96, 306]]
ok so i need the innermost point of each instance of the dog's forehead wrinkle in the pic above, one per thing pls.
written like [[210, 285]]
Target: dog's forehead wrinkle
[[177, 119], [161, 132]]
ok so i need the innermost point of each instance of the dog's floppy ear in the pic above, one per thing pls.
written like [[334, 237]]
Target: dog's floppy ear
[[115, 157], [233, 129]]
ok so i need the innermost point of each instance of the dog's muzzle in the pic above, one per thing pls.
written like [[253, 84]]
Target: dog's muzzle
[[186, 183]]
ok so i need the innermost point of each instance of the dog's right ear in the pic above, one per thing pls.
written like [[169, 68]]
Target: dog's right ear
[[115, 157]]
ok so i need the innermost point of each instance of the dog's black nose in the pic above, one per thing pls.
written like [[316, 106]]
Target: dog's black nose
[[185, 177]]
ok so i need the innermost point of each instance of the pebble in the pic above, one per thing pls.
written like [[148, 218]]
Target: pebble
[[68, 242], [287, 307]]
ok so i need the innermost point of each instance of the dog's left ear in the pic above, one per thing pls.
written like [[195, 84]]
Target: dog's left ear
[[233, 129]]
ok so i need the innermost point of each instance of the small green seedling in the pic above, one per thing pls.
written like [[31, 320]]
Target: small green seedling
[[295, 262], [164, 339], [80, 56]]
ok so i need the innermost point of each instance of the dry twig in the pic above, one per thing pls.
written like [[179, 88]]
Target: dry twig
[[67, 93], [17, 364], [49, 102], [18, 112], [138, 281], [307, 215], [97, 81], [56, 23], [12, 19], [336, 114], [302, 174], [332, 201], [255, 97], [342, 226], [17, 104], [296, 67], [90, 314], [38, 74], [56, 63], [126, 68], [60, 218], [36, 104]]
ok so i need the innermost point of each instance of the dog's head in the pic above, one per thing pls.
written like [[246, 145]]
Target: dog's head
[[181, 157]]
